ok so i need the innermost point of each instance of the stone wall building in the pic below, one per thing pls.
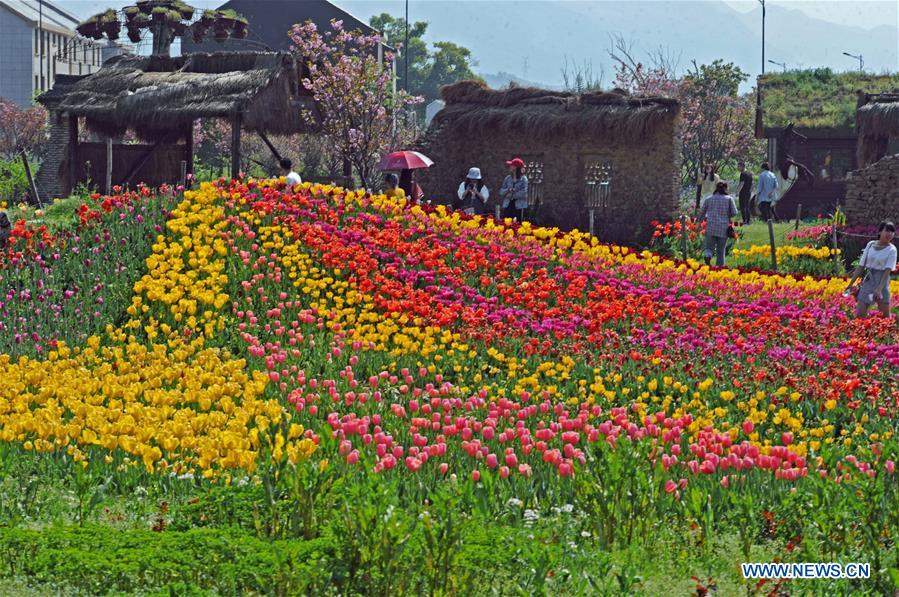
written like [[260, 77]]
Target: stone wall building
[[572, 144], [872, 193]]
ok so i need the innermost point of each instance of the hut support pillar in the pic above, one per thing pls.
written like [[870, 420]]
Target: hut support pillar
[[73, 152], [235, 145], [189, 149]]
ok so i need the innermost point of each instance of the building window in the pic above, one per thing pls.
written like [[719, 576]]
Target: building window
[[37, 43], [36, 82], [43, 80]]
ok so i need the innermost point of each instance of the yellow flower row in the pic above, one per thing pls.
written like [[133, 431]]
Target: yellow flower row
[[176, 405]]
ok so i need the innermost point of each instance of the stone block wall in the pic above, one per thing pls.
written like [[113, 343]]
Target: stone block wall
[[872, 194], [645, 175], [52, 177]]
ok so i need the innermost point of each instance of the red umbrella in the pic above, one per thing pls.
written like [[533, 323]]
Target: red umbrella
[[405, 160]]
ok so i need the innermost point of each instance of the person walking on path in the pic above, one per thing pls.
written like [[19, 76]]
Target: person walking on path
[[877, 262], [473, 193], [767, 191], [745, 193], [514, 191], [717, 210]]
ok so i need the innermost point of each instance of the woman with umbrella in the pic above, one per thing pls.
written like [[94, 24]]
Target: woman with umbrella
[[406, 162]]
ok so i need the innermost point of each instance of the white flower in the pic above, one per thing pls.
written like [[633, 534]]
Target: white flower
[[567, 508], [514, 503]]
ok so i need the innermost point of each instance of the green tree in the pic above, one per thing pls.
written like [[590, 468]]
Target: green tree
[[429, 69], [449, 63], [394, 30]]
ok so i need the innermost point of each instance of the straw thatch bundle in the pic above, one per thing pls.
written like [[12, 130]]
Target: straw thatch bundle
[[879, 118], [876, 121], [544, 114], [156, 96]]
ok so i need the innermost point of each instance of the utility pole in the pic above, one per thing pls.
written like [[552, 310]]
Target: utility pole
[[762, 2], [40, 41], [406, 61]]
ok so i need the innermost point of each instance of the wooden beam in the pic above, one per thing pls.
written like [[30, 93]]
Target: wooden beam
[[270, 146], [235, 145], [108, 166], [72, 154], [189, 149], [31, 182]]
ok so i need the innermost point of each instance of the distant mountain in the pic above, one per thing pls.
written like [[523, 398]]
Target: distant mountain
[[503, 79], [530, 40]]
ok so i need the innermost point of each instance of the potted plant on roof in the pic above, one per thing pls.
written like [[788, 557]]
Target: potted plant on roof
[[166, 20]]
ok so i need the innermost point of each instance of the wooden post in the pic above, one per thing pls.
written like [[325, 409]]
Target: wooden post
[[683, 237], [189, 150], [183, 174], [73, 154], [833, 232], [109, 165], [798, 215], [773, 248], [235, 145], [591, 222], [31, 182]]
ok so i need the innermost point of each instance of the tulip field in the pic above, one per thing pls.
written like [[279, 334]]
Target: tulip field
[[251, 389]]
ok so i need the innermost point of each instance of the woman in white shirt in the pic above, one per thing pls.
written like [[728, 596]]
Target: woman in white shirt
[[473, 193], [877, 262]]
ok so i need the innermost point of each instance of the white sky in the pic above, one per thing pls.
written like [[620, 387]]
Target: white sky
[[860, 13]]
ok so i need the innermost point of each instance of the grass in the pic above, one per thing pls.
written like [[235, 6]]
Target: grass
[[828, 99], [756, 233], [60, 215]]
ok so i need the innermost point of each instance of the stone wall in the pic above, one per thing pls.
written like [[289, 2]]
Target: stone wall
[[52, 178], [872, 194], [645, 175]]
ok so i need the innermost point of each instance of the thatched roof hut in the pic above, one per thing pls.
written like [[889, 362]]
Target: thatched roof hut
[[876, 121], [155, 95], [571, 143], [546, 114], [160, 98]]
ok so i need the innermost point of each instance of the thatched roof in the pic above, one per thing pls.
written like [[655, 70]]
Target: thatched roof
[[544, 114], [876, 121], [878, 116], [156, 95]]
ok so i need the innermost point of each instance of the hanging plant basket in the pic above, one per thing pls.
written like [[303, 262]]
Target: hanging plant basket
[[239, 32], [90, 29], [221, 34], [198, 31], [112, 30], [134, 35]]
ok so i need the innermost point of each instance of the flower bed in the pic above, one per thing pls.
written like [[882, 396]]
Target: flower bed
[[349, 356]]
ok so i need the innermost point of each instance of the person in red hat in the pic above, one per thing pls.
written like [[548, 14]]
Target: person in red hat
[[514, 191]]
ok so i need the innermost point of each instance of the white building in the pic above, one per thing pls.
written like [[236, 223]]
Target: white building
[[38, 42]]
